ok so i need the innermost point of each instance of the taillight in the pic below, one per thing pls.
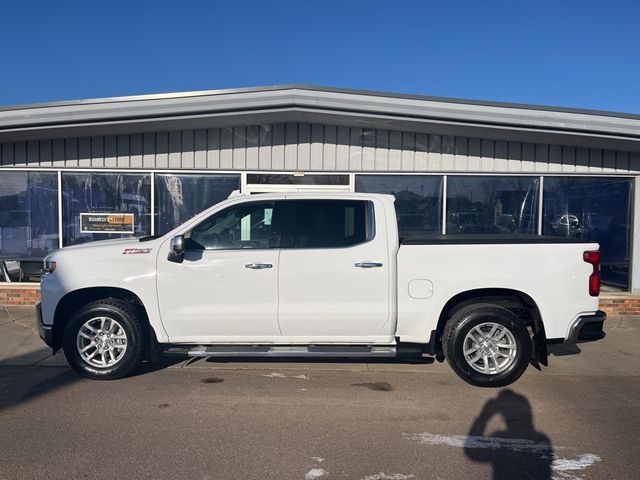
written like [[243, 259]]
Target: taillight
[[593, 257]]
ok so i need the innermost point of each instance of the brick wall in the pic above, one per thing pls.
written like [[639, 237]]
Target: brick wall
[[620, 304], [19, 295], [612, 303]]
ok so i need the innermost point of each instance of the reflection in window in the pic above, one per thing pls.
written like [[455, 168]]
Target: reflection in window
[[104, 193], [247, 225], [595, 209], [288, 179], [485, 205], [418, 199], [180, 197], [331, 223], [28, 223]]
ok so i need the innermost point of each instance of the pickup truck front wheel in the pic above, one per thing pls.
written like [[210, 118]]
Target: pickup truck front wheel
[[487, 345], [103, 340]]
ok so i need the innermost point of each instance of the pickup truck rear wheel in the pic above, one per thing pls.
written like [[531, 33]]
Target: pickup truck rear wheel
[[487, 345], [103, 340]]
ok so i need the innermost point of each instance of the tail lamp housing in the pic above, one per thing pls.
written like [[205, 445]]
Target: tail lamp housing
[[593, 258]]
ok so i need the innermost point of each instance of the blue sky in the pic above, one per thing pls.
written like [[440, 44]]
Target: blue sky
[[568, 53]]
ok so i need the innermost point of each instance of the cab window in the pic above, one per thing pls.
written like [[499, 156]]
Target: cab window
[[332, 223], [248, 225]]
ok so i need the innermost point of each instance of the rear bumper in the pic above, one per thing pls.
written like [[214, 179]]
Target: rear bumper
[[587, 328], [45, 331]]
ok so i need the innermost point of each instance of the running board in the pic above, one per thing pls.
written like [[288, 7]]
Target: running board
[[283, 351]]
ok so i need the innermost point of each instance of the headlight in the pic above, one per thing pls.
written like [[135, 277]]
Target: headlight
[[48, 266]]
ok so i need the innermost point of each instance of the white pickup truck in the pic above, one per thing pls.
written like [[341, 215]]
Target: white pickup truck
[[319, 274]]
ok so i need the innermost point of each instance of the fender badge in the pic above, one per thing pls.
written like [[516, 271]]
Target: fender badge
[[136, 251]]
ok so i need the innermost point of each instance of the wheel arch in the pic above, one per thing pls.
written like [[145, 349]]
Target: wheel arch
[[73, 300], [516, 301]]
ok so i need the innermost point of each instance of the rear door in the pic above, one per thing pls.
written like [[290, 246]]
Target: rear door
[[334, 280]]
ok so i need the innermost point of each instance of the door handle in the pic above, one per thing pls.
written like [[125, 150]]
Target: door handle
[[367, 264], [258, 266]]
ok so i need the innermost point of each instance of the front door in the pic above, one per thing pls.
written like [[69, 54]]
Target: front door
[[335, 273], [226, 288]]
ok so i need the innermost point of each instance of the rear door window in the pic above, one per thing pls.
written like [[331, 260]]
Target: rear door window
[[330, 223]]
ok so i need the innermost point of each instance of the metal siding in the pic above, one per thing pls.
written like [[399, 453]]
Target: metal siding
[[407, 162], [382, 150], [291, 146], [200, 146], [368, 149], [84, 152], [226, 148], [355, 149], [20, 153], [304, 147], [7, 154], [421, 146], [175, 149], [123, 151], [135, 159], [316, 154], [45, 153], [59, 156], [314, 147], [149, 150], [277, 149], [342, 149], [162, 149], [448, 150], [395, 151], [252, 147], [239, 148], [329, 153], [110, 151], [187, 149], [265, 146], [528, 157], [213, 148], [97, 151]]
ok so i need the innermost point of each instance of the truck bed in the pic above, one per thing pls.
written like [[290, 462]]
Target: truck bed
[[488, 239]]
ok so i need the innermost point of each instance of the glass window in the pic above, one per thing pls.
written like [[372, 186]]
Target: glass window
[[28, 223], [331, 223], [289, 179], [105, 193], [180, 197], [249, 225], [418, 199], [486, 205], [597, 209]]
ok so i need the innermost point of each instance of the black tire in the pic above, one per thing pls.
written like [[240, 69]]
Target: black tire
[[463, 321], [122, 313]]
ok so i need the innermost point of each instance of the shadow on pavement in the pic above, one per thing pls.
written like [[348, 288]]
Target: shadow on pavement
[[563, 349], [519, 451]]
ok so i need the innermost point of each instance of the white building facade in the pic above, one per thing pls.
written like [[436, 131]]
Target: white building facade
[[456, 167]]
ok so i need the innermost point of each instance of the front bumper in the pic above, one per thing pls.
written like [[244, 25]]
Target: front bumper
[[45, 331], [587, 328]]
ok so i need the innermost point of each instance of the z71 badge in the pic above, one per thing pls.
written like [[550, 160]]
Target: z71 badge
[[135, 251]]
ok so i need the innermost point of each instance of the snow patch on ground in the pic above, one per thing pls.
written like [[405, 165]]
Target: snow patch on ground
[[315, 473], [562, 467], [388, 476], [280, 375], [317, 459]]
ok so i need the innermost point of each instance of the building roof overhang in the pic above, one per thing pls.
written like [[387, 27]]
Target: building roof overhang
[[299, 103]]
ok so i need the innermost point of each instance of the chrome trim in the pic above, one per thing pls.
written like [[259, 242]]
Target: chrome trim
[[580, 322]]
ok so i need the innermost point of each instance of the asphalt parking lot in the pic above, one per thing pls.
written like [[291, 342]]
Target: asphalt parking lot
[[319, 420]]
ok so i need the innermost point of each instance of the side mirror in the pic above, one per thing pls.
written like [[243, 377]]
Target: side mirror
[[177, 244], [177, 249]]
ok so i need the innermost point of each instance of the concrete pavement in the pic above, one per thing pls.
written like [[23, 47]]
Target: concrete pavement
[[306, 420]]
